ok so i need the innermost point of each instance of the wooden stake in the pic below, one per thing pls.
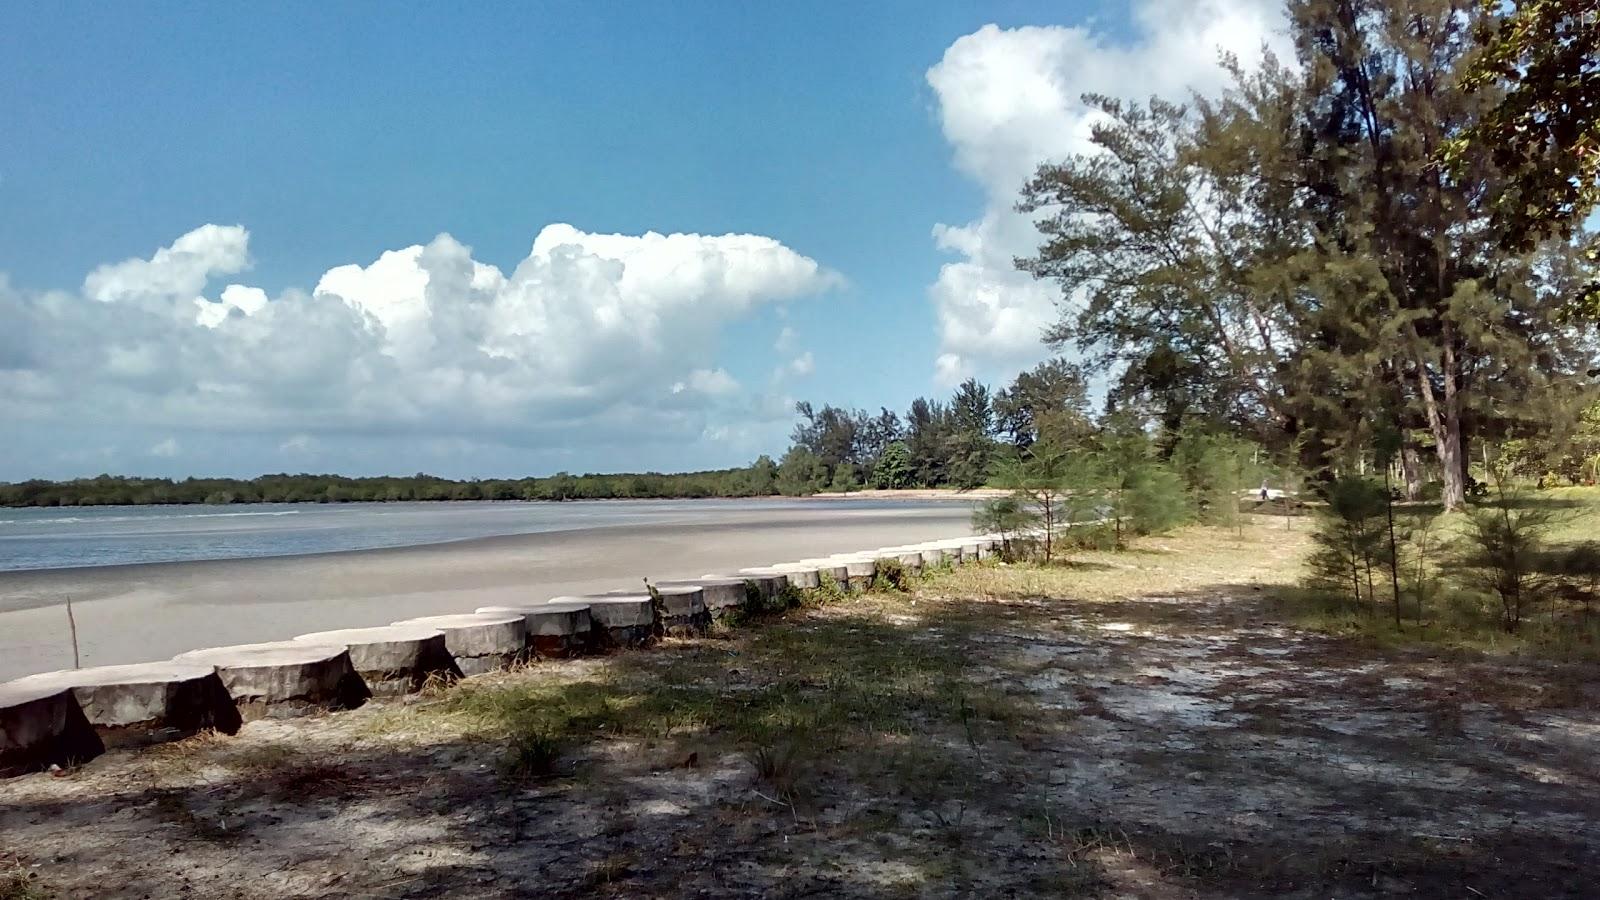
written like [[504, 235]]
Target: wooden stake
[[73, 624]]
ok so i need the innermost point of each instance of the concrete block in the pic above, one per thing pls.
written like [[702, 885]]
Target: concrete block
[[284, 678], [954, 552], [910, 560], [769, 581], [720, 595], [933, 556], [146, 703], [801, 576], [831, 569], [554, 629], [620, 620], [480, 643], [859, 569], [682, 609], [42, 726], [392, 659]]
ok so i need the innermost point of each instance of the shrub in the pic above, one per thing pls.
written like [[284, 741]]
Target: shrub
[[1350, 540], [1007, 517], [891, 576], [1500, 555]]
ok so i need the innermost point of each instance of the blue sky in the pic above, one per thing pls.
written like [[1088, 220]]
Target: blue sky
[[335, 132]]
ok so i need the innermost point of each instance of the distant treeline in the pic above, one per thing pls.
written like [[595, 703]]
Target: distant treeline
[[757, 479]]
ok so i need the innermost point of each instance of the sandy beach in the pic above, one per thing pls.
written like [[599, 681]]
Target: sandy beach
[[135, 613]]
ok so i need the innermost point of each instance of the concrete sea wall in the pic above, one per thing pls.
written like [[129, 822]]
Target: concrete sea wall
[[68, 717]]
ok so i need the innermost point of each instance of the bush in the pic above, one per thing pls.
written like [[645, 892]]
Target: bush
[[1350, 540], [1501, 553], [1156, 502], [1007, 517]]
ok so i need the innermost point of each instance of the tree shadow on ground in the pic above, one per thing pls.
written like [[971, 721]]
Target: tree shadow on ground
[[1014, 746]]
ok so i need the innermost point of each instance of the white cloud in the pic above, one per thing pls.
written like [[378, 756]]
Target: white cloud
[[1008, 100], [710, 382], [804, 364], [298, 443], [165, 449], [179, 270], [785, 340], [588, 332]]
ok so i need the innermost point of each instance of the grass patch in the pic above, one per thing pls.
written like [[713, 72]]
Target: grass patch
[[1558, 617], [17, 883], [793, 693]]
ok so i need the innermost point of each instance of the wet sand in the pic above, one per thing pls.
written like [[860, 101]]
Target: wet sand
[[137, 613]]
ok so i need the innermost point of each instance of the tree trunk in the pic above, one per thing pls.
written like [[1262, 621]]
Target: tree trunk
[[1444, 420], [1450, 461]]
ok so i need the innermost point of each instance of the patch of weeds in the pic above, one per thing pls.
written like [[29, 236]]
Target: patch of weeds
[[20, 884], [891, 576], [607, 871], [827, 592], [532, 754], [782, 765]]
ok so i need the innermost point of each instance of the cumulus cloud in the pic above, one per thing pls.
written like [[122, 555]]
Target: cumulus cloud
[[804, 364], [589, 331], [1009, 99], [165, 449]]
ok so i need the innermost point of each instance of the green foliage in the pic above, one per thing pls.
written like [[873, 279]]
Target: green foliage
[[1217, 469], [1502, 555], [894, 468], [533, 753], [1008, 517], [891, 576], [801, 472], [1156, 501], [1049, 402], [1137, 494], [1542, 57], [757, 480], [1351, 542], [1291, 256]]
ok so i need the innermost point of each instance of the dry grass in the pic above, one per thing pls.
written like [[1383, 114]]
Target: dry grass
[[1106, 726]]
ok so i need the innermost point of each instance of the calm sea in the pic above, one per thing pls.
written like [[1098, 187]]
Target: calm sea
[[110, 535]]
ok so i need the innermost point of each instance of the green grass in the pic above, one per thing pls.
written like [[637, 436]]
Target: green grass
[[1454, 616]]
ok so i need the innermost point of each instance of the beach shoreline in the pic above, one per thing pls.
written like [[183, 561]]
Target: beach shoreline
[[150, 611]]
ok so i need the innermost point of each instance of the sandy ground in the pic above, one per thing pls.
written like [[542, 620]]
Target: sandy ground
[[149, 612], [1167, 745]]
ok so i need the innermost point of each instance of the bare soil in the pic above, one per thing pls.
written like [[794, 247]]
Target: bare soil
[[1136, 725]]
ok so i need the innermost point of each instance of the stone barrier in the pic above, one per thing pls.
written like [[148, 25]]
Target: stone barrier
[[682, 609], [393, 659], [555, 630], [831, 569], [146, 703], [720, 595], [620, 620], [68, 717], [768, 581], [480, 643], [284, 678], [860, 569], [800, 576], [43, 726]]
